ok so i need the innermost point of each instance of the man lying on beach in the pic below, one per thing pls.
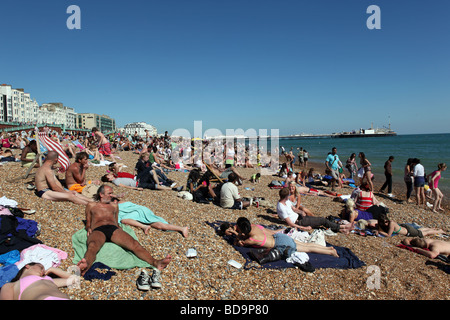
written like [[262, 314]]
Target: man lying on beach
[[76, 173], [102, 226], [149, 180], [299, 220], [50, 188], [428, 247]]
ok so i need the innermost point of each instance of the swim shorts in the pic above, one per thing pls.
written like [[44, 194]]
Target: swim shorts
[[41, 193], [107, 230], [105, 149]]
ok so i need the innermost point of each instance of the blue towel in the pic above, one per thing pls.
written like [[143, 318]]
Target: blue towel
[[346, 260]]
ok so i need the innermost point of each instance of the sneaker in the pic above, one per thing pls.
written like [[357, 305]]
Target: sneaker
[[173, 185], [155, 279], [142, 281], [390, 195]]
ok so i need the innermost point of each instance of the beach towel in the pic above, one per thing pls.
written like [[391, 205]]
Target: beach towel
[[105, 272], [43, 254], [110, 254], [129, 210], [346, 260]]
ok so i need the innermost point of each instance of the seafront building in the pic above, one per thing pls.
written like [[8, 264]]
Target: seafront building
[[140, 128], [89, 120], [57, 113], [17, 106], [19, 109]]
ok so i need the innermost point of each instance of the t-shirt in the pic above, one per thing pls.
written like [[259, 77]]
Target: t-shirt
[[333, 164], [125, 181], [228, 194], [285, 211], [419, 170]]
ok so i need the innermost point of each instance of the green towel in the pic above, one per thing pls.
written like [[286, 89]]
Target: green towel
[[110, 254], [129, 210]]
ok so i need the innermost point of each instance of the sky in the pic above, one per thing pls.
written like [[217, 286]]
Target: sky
[[298, 66]]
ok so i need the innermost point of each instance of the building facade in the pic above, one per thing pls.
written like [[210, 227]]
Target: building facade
[[17, 106], [57, 113], [91, 120], [140, 128]]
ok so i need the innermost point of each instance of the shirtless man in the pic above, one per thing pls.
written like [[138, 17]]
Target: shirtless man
[[435, 247], [104, 147], [48, 186], [102, 226], [76, 173]]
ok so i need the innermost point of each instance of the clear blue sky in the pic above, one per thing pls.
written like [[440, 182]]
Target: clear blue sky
[[293, 65]]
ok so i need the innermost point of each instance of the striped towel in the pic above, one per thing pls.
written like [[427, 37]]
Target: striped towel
[[53, 145]]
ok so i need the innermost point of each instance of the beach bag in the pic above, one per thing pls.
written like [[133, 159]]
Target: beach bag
[[186, 195], [317, 237]]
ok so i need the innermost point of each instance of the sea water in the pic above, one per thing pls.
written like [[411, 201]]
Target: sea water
[[431, 149]]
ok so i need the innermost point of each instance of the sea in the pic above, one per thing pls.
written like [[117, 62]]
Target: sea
[[431, 149]]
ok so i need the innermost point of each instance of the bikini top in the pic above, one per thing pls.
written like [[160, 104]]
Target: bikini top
[[263, 242], [25, 282]]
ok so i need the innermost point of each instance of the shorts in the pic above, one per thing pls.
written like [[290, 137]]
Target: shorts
[[412, 232], [41, 193], [107, 230], [335, 174], [285, 244], [105, 149], [237, 205], [419, 182]]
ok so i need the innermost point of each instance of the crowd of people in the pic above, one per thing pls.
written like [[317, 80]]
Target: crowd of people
[[213, 178]]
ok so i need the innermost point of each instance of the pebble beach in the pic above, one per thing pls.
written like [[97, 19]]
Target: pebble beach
[[404, 275]]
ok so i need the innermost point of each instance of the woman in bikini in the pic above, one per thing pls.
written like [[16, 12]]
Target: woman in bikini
[[250, 235], [34, 283], [388, 228], [295, 198], [367, 170]]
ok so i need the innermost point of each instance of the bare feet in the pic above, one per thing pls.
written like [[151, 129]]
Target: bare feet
[[346, 228], [334, 253], [83, 265], [146, 230], [161, 264], [185, 232]]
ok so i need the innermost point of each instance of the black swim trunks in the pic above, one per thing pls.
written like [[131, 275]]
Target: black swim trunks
[[41, 192], [107, 230]]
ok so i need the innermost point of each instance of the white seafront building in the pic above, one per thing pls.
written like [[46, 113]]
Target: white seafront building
[[57, 113], [140, 128], [16, 105]]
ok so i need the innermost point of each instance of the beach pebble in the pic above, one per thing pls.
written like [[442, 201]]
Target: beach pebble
[[404, 274]]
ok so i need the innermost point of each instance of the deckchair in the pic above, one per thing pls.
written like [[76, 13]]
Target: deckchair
[[37, 158], [217, 178], [53, 145], [46, 143]]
